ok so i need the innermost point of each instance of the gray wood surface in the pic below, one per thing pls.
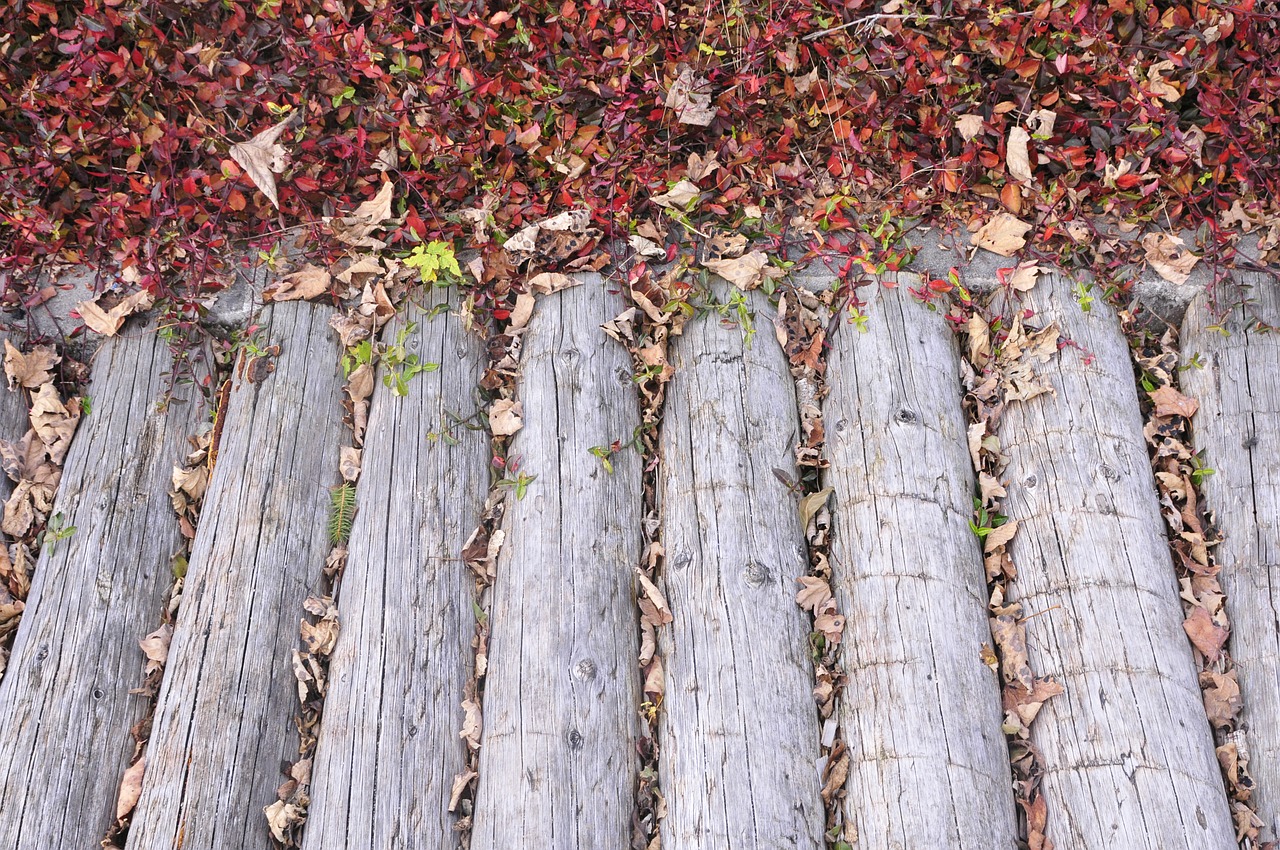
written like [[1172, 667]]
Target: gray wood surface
[[921, 712], [558, 762], [739, 731], [1238, 428], [13, 416], [1128, 754], [224, 721], [389, 746], [65, 702]]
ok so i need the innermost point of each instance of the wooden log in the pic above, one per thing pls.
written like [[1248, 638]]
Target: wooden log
[[558, 762], [921, 712], [14, 421], [389, 747], [1236, 379], [224, 719], [1128, 753], [65, 702], [739, 729]]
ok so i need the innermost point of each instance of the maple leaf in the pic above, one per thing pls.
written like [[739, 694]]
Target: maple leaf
[[262, 157]]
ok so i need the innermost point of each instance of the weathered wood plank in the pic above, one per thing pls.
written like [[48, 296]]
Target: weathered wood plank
[[65, 702], [223, 723], [921, 712], [13, 417], [739, 729], [1236, 379], [389, 746], [1128, 753], [558, 761]]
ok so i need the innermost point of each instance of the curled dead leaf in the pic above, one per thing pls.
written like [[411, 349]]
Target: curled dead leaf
[[29, 370], [304, 284], [108, 322], [505, 417], [690, 97], [262, 158], [1004, 235], [130, 788], [1166, 255]]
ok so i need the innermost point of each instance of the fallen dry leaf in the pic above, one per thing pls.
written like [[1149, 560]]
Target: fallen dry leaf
[[1018, 155], [525, 240], [969, 126], [678, 196], [53, 421], [130, 788], [262, 158], [1166, 255], [505, 417], [549, 282], [155, 647], [29, 370], [1024, 277], [304, 284], [690, 97], [1004, 235], [349, 463], [646, 247], [108, 322], [812, 503], [1206, 635], [1170, 402], [814, 592], [745, 272]]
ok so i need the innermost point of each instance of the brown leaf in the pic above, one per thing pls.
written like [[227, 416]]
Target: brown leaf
[[349, 463], [969, 126], [1166, 255], [549, 282], [1207, 636], [814, 592], [812, 503], [306, 283], [1221, 697], [155, 647], [1024, 276], [460, 783], [1170, 402], [662, 613], [1017, 155], [108, 322], [745, 272], [505, 417], [1011, 639], [690, 97], [1000, 536], [1004, 235], [29, 370], [54, 422], [130, 788], [678, 196], [262, 158], [472, 723]]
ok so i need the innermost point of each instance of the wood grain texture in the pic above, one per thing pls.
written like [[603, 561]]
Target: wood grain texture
[[389, 746], [13, 416], [1238, 429], [921, 712], [1128, 752], [558, 762], [739, 731], [65, 702], [223, 723]]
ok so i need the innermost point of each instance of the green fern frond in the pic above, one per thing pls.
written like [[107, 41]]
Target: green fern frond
[[342, 512]]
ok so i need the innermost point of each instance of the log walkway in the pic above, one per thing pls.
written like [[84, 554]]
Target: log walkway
[[1126, 750]]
